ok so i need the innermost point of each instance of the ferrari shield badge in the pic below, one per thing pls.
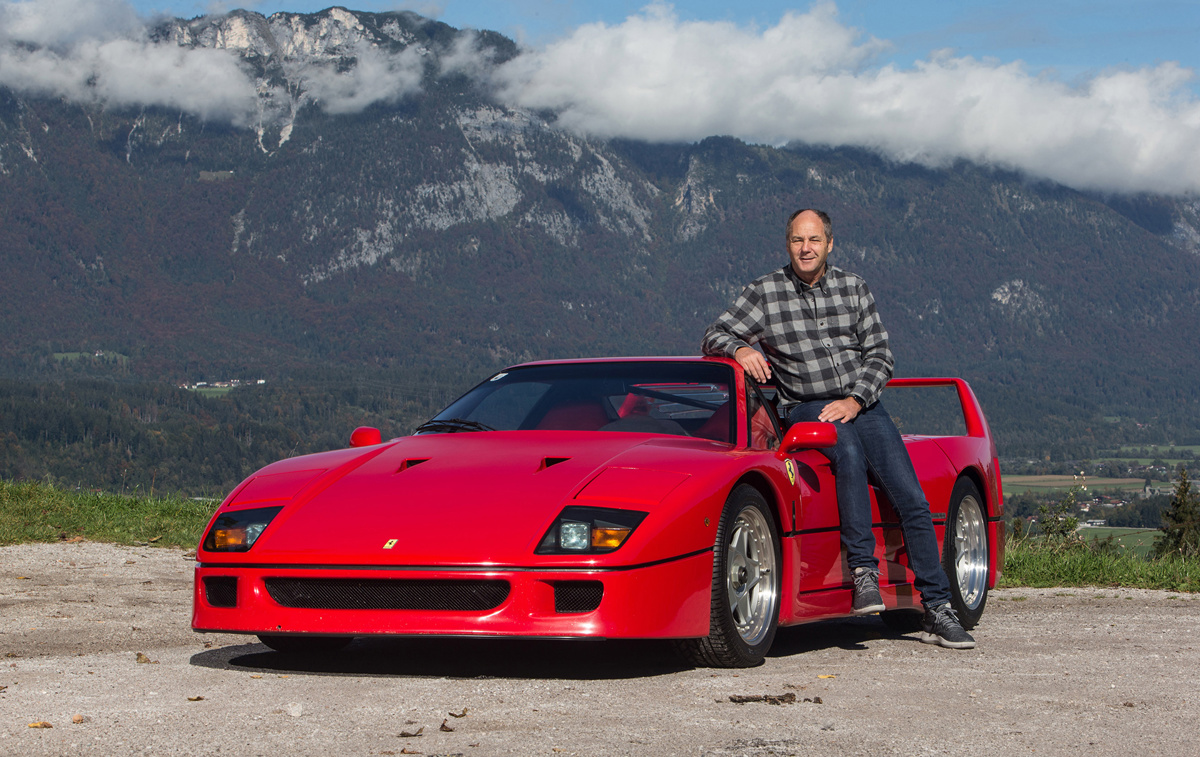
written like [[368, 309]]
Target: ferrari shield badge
[[392, 542], [791, 470]]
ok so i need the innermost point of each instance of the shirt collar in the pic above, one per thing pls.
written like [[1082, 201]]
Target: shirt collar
[[821, 283]]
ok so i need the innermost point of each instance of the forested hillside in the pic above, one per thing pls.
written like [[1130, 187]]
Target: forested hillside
[[146, 437]]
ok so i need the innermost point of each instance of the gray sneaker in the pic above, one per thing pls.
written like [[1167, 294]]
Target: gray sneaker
[[940, 626], [866, 592]]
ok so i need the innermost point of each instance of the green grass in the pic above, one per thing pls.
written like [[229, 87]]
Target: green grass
[[1172, 462], [34, 512], [1140, 541], [1058, 483], [111, 357], [214, 391], [1027, 563], [1163, 448]]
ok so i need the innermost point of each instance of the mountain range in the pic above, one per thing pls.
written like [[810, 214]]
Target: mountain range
[[434, 234]]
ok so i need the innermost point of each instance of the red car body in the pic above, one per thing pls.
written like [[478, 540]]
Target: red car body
[[447, 533]]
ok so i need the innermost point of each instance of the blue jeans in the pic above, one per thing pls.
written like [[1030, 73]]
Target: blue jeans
[[872, 443]]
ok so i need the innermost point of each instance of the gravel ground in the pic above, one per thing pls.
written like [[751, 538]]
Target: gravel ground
[[95, 641]]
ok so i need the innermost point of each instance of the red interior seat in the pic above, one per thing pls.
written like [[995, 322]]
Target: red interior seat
[[587, 415], [717, 425]]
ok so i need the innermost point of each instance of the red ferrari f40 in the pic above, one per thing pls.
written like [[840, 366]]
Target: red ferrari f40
[[637, 498]]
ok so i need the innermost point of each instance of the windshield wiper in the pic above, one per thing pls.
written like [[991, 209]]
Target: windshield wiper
[[452, 424]]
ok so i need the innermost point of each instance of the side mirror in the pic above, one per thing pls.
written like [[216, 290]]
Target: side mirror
[[809, 435], [365, 436]]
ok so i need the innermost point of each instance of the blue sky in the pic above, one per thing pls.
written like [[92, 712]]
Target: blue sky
[[1062, 38]]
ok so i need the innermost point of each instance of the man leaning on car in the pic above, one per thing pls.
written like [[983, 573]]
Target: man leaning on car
[[825, 346]]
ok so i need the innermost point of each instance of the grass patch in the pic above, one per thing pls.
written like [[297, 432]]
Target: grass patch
[[35, 512], [1027, 563], [1059, 483], [106, 357], [213, 391], [1160, 448], [1140, 541]]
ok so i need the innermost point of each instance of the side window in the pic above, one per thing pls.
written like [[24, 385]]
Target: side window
[[763, 424]]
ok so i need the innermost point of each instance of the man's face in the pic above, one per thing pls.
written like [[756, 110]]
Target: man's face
[[808, 247]]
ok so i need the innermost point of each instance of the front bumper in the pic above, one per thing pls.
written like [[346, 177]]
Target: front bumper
[[664, 600]]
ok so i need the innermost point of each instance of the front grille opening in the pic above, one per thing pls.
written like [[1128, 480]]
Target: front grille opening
[[577, 596], [462, 595], [221, 591]]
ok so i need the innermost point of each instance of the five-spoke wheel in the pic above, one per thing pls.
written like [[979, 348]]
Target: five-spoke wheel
[[746, 582], [965, 552]]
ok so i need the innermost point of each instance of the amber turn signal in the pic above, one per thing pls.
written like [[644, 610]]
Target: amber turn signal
[[609, 538], [228, 538]]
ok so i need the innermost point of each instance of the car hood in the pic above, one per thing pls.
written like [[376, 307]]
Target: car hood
[[458, 499]]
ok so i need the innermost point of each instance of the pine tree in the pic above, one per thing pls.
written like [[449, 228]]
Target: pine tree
[[1181, 522]]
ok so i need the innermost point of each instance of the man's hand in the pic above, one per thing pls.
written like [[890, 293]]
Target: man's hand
[[840, 410], [754, 363]]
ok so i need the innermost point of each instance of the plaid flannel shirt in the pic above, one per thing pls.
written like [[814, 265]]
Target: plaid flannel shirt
[[823, 342]]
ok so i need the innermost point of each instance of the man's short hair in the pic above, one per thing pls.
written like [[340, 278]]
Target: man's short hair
[[787, 230]]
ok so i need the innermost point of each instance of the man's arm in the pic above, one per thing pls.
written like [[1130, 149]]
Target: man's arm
[[736, 329]]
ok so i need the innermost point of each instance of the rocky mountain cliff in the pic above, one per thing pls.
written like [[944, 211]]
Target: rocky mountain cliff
[[373, 209]]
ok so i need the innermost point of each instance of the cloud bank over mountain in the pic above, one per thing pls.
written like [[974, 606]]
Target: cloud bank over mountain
[[808, 78]]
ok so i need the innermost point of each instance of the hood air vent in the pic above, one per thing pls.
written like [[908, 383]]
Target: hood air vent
[[552, 461], [411, 463]]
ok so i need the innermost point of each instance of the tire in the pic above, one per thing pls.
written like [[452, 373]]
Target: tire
[[744, 613], [966, 552], [306, 644]]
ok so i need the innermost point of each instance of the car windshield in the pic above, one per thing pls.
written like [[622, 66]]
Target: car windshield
[[656, 397]]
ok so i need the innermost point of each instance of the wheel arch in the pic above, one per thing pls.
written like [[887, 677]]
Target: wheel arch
[[759, 481], [996, 529], [975, 476]]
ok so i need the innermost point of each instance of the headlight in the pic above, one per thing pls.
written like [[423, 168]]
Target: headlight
[[589, 530], [237, 530]]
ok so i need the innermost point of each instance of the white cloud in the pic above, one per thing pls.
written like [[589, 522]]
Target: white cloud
[[96, 51], [375, 77], [208, 83], [465, 56], [809, 79], [58, 23]]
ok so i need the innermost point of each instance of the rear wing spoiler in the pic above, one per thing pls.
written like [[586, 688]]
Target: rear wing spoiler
[[971, 409], [973, 417]]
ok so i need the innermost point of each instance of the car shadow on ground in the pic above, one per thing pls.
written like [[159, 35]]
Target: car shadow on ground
[[841, 633], [522, 658], [460, 658]]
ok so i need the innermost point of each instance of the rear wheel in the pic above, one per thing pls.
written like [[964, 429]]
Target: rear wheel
[[306, 644], [745, 586], [965, 553]]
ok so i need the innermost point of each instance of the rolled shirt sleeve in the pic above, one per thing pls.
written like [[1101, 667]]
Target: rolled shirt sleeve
[[741, 325]]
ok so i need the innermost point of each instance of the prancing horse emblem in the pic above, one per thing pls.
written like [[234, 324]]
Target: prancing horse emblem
[[791, 470], [392, 542]]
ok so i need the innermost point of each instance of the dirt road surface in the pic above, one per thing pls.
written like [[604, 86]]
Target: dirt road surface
[[1068, 671]]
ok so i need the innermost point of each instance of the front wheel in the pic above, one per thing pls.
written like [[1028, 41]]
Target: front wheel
[[965, 552], [745, 586]]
